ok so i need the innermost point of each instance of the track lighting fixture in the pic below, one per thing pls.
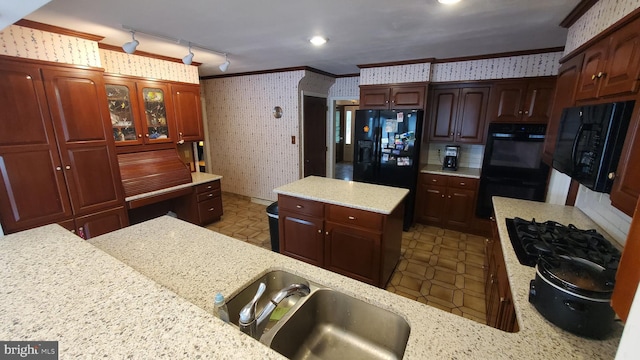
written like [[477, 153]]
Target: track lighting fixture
[[131, 46], [189, 57]]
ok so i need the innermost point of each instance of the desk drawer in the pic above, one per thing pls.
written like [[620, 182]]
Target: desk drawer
[[209, 186], [209, 195], [355, 217], [210, 210], [301, 206], [463, 183]]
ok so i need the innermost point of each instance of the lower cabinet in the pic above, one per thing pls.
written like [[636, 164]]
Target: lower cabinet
[[500, 310], [96, 224], [203, 206], [446, 201], [360, 244]]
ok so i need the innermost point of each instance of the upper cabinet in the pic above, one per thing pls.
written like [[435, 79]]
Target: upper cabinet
[[186, 102], [525, 100], [147, 112], [457, 113], [382, 97], [612, 65], [566, 84]]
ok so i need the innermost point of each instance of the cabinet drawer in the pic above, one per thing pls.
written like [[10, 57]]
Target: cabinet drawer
[[301, 206], [209, 195], [463, 183], [210, 210], [433, 179], [213, 185], [354, 217]]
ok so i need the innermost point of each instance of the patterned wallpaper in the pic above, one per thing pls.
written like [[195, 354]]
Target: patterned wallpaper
[[135, 65], [34, 44], [346, 87], [250, 148], [498, 68], [395, 74], [602, 15]]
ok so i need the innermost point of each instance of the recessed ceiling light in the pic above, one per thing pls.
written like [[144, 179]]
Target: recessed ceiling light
[[318, 40], [448, 2]]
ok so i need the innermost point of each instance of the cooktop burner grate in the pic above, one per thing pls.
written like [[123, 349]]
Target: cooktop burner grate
[[531, 240]]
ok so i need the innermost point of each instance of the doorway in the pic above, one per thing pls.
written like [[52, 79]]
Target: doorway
[[314, 135], [344, 116]]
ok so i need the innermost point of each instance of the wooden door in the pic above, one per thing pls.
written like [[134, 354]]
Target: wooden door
[[186, 102], [301, 237], [622, 70], [77, 100], [443, 114], [124, 109], [374, 97], [459, 209], [99, 223], [407, 97], [435, 201], [628, 274], [505, 104], [566, 84], [472, 112], [340, 132], [539, 97], [315, 136], [353, 252], [592, 65], [32, 185]]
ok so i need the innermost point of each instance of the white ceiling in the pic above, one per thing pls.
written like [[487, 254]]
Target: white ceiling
[[273, 34]]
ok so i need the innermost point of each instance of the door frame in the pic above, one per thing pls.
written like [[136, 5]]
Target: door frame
[[331, 131], [301, 132]]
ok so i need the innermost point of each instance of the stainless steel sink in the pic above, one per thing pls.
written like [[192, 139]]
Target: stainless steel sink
[[331, 325], [275, 281]]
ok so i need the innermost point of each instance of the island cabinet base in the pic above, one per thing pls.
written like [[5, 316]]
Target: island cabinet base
[[360, 244]]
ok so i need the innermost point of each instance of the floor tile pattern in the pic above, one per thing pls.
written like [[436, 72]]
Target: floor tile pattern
[[438, 267]]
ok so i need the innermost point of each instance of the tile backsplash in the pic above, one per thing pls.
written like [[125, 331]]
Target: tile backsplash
[[470, 155]]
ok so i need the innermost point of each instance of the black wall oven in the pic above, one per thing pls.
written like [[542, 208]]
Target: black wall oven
[[512, 165]]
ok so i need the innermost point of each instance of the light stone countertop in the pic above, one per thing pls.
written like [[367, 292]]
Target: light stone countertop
[[462, 171], [358, 195], [58, 287], [196, 179]]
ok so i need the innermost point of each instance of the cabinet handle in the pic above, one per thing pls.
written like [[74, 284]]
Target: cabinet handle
[[352, 217], [611, 175], [526, 112], [434, 180], [451, 134], [462, 184], [601, 74], [68, 167], [442, 195], [147, 135], [211, 209], [319, 231], [58, 168], [449, 196], [209, 187], [210, 195], [299, 206], [28, 77], [326, 233], [593, 77], [520, 112]]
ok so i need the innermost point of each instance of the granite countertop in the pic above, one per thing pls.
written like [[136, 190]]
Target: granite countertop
[[196, 179], [462, 171], [58, 287], [376, 198]]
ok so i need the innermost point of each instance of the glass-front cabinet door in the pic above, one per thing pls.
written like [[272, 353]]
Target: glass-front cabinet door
[[122, 107], [157, 125]]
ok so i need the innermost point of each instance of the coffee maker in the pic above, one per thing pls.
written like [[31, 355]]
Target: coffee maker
[[451, 153]]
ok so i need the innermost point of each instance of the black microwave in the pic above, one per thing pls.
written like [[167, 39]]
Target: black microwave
[[589, 143]]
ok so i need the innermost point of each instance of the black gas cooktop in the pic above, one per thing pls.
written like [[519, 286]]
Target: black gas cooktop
[[532, 240]]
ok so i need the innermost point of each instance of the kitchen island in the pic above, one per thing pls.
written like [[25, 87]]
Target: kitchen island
[[152, 297]]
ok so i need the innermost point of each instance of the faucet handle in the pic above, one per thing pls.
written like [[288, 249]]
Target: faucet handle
[[248, 312]]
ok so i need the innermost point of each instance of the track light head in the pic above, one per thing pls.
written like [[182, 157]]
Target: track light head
[[188, 58], [131, 46], [225, 65]]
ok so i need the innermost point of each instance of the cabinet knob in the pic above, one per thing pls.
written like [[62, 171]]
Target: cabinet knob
[[459, 134], [319, 231], [211, 209], [139, 135], [209, 187], [449, 196], [451, 134], [210, 195], [147, 135], [520, 112], [593, 77], [526, 112], [462, 184], [601, 74], [352, 217], [58, 168], [299, 206], [68, 167], [28, 77], [326, 233], [442, 195], [611, 175]]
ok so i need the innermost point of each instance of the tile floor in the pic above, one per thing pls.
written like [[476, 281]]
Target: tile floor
[[438, 267]]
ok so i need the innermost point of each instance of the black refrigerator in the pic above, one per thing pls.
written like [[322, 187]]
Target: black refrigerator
[[387, 150]]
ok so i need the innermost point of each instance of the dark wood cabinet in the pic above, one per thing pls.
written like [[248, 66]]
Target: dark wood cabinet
[[102, 222], [566, 85], [58, 158], [499, 301], [188, 112], [356, 243], [202, 206], [457, 113], [628, 273], [612, 65], [626, 186], [446, 201], [383, 97], [525, 100]]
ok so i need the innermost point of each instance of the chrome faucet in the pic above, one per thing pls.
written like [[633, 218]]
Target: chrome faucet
[[254, 325]]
